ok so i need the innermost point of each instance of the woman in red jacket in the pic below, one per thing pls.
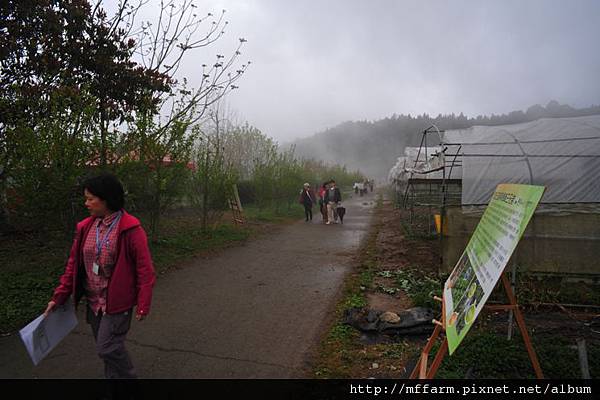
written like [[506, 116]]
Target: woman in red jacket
[[109, 264], [322, 205]]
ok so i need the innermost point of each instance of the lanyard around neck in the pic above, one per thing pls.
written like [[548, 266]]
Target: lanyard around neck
[[104, 240]]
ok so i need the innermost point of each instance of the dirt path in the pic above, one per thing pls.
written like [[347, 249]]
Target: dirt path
[[254, 311]]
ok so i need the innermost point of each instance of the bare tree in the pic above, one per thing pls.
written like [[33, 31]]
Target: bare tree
[[214, 176], [164, 119], [162, 47]]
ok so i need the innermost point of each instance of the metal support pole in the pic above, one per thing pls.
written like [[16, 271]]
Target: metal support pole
[[513, 274], [521, 323]]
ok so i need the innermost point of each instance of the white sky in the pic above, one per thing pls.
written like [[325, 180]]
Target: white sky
[[318, 63]]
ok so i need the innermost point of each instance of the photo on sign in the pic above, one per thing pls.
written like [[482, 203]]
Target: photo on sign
[[467, 306], [461, 277], [467, 291]]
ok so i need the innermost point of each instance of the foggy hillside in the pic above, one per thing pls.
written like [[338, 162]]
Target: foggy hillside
[[373, 146]]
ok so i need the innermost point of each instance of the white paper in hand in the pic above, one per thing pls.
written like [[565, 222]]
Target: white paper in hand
[[42, 335]]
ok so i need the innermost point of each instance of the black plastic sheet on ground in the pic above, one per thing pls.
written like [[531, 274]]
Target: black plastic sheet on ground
[[414, 321]]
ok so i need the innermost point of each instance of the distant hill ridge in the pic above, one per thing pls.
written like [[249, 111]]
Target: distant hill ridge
[[374, 146]]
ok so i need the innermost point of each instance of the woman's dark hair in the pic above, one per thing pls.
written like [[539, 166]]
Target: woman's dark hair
[[108, 188]]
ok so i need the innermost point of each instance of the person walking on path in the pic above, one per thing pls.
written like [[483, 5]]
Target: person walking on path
[[322, 203], [109, 264], [332, 198], [307, 198]]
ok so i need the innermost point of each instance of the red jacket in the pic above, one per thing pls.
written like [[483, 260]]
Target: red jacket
[[322, 193], [133, 276]]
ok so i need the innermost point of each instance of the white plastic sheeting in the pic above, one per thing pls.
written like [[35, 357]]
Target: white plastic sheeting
[[417, 164], [397, 172], [562, 154]]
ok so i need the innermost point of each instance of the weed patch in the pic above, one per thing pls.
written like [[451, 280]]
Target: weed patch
[[27, 282], [485, 354]]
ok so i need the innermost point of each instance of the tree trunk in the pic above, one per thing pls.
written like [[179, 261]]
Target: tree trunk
[[205, 191], [3, 203], [103, 135], [155, 207]]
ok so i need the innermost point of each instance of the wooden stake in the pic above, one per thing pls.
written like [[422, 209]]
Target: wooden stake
[[583, 359]]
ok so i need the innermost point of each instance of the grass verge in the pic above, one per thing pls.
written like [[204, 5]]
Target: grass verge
[[485, 352], [340, 352], [31, 265]]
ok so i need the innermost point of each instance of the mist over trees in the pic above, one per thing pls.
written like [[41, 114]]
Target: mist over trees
[[82, 92], [373, 146]]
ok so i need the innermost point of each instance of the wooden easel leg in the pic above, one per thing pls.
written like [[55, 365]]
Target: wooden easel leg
[[521, 322], [437, 361], [420, 369]]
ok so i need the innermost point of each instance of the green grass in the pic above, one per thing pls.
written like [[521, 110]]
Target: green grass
[[24, 294], [170, 250], [284, 214], [420, 228], [366, 278], [338, 352], [341, 333], [396, 350], [533, 288], [30, 266], [418, 285], [490, 355], [355, 300]]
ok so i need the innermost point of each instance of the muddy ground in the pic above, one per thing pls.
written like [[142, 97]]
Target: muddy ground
[[403, 249]]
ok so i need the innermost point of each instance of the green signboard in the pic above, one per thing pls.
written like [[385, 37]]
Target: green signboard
[[482, 263]]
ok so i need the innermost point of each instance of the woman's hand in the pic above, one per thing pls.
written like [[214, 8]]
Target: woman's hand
[[49, 308], [140, 317]]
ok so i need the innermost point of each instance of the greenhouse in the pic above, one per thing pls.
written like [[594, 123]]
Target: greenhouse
[[562, 154]]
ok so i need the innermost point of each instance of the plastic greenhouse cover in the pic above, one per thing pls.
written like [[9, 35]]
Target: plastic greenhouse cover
[[562, 154], [417, 163]]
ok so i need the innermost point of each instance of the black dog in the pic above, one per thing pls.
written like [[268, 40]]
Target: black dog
[[341, 211]]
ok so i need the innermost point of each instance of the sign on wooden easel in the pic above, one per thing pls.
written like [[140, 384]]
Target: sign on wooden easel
[[481, 265], [486, 255]]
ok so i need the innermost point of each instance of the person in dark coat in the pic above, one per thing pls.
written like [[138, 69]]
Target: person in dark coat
[[333, 196], [307, 198]]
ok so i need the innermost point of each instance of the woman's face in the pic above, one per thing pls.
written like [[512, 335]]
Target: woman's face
[[95, 205]]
